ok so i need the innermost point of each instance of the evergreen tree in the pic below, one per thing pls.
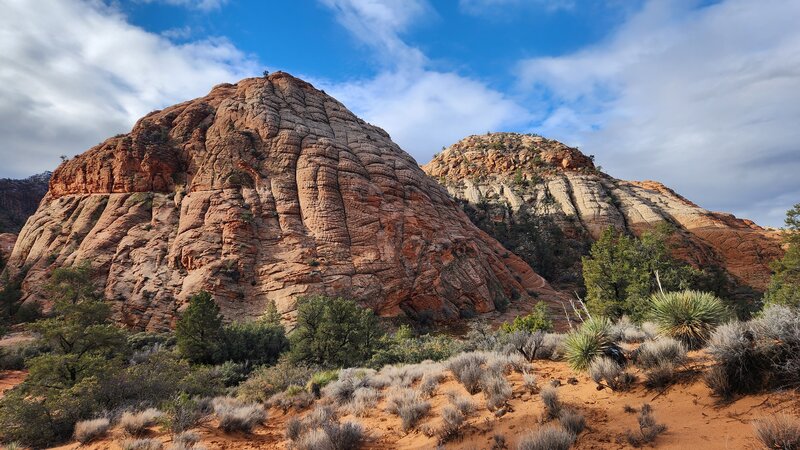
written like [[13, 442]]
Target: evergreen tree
[[199, 329], [333, 332], [784, 286], [620, 272]]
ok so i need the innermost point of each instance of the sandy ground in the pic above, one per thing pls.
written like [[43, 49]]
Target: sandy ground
[[695, 420], [10, 378]]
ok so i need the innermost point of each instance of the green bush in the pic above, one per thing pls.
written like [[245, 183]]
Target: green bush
[[590, 341], [402, 347], [688, 316], [266, 381], [619, 273], [537, 320], [333, 332], [784, 286], [257, 343]]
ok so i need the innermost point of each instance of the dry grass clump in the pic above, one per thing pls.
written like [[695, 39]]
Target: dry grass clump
[[529, 382], [321, 430], [142, 444], [89, 430], [341, 391], [404, 376], [648, 428], [466, 369], [464, 404], [606, 370], [136, 424], [188, 440], [364, 401], [408, 405], [293, 397], [452, 421], [547, 438], [235, 416], [552, 404], [431, 380], [627, 331], [496, 389], [654, 353], [778, 432], [572, 421]]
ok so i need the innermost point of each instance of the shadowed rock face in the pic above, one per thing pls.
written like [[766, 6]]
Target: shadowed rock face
[[19, 199], [544, 177], [265, 190]]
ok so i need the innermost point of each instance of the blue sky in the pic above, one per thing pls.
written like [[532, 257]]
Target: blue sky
[[701, 95]]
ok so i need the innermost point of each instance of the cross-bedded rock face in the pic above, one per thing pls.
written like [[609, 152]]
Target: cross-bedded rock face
[[264, 190], [544, 177]]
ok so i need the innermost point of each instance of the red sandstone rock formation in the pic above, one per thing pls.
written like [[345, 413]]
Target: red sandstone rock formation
[[546, 177], [265, 190]]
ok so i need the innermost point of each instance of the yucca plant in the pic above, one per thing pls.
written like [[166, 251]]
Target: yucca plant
[[688, 316], [592, 340]]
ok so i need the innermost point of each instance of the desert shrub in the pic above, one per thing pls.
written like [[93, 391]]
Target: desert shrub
[[778, 432], [403, 376], [655, 353], [496, 389], [778, 333], [648, 430], [552, 404], [183, 412], [499, 442], [185, 441], [266, 381], [342, 390], [605, 370], [403, 347], [547, 438], [537, 320], [526, 343], [136, 424], [688, 316], [321, 430], [293, 397], [408, 405], [464, 404], [235, 416], [626, 331], [741, 367], [591, 341], [660, 376], [199, 329], [333, 332], [529, 382], [89, 430], [142, 444], [452, 421], [466, 369], [572, 421], [364, 401], [431, 380]]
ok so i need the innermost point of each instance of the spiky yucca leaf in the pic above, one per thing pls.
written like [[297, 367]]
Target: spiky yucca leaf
[[688, 316], [589, 342]]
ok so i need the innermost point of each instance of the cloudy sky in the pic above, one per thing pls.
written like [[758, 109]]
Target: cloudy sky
[[701, 95]]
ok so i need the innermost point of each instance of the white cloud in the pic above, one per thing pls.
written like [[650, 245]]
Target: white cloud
[[425, 110], [202, 5], [422, 109], [379, 23], [74, 73], [705, 100]]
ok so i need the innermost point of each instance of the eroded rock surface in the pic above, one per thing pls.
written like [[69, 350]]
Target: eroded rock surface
[[544, 177], [265, 190]]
